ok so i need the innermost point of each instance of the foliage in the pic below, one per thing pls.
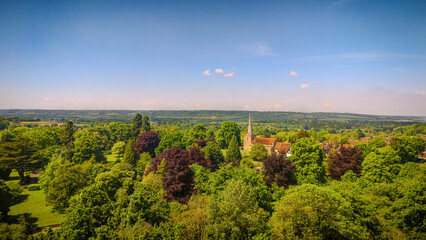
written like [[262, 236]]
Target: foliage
[[380, 167], [277, 169], [147, 142], [258, 152], [88, 145], [234, 213], [307, 156], [227, 131], [345, 158], [173, 138], [312, 212], [146, 126], [118, 149], [67, 137], [233, 151], [18, 152], [130, 156], [33, 187], [214, 154], [136, 125], [178, 179], [407, 148]]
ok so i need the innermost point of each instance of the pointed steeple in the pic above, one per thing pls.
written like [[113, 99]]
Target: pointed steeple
[[249, 126]]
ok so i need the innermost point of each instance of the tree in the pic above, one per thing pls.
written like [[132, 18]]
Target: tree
[[5, 200], [407, 148], [345, 158], [198, 132], [172, 138], [118, 149], [234, 213], [147, 142], [130, 155], [226, 132], [18, 152], [312, 212], [136, 125], [277, 169], [381, 166], [307, 156], [233, 151], [146, 126], [88, 145], [258, 152], [302, 134], [67, 135], [214, 154], [178, 181]]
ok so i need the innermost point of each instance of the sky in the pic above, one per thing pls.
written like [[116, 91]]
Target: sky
[[305, 56]]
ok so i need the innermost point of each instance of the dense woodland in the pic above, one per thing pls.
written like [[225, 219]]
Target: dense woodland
[[180, 179]]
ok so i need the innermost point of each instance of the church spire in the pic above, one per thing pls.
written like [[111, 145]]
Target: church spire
[[249, 126]]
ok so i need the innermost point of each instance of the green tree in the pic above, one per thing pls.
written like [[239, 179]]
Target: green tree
[[214, 154], [233, 151], [258, 152], [307, 156], [198, 132], [67, 136], [312, 212], [88, 145], [146, 126], [381, 166], [130, 155], [136, 125], [18, 152], [234, 213], [118, 149], [226, 132]]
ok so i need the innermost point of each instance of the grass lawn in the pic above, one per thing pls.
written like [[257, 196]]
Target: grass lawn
[[34, 204]]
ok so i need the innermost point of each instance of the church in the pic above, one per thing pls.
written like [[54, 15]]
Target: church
[[271, 144]]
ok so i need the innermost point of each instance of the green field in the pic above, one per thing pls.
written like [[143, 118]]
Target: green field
[[34, 204]]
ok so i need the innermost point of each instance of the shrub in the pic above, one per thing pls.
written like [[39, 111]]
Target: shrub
[[33, 187]]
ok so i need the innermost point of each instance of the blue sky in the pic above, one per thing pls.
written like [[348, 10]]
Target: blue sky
[[311, 56]]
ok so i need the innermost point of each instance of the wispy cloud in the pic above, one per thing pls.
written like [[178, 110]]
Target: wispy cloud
[[246, 106], [423, 93], [265, 106], [356, 57], [206, 73], [339, 3], [293, 73], [219, 70], [231, 74], [304, 85], [47, 99], [260, 49], [149, 102], [278, 105], [326, 105], [197, 105]]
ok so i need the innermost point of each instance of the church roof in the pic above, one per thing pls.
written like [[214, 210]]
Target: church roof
[[264, 141], [282, 147]]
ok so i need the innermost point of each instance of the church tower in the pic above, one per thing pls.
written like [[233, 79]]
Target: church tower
[[248, 137]]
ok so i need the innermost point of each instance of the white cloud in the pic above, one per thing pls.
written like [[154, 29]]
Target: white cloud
[[339, 3], [47, 99], [278, 105], [326, 105], [260, 49], [421, 93], [304, 85], [197, 105], [207, 73], [149, 102], [293, 73], [219, 70], [231, 74]]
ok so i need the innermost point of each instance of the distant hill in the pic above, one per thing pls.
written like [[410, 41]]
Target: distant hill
[[202, 116]]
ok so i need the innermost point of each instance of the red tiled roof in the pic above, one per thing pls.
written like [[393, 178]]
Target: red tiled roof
[[282, 147], [264, 141]]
